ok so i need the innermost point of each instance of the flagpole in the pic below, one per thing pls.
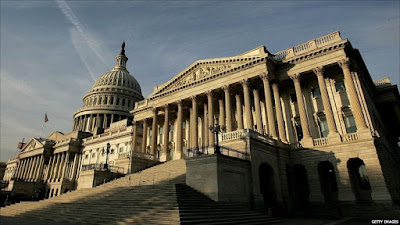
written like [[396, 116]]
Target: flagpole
[[41, 131]]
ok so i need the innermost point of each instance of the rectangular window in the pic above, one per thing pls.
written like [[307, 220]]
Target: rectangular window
[[339, 86], [316, 92], [323, 126], [350, 124]]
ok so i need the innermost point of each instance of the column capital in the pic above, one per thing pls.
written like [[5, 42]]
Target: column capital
[[265, 76], [275, 85], [166, 106], [179, 102], [154, 110], [244, 82], [295, 77], [209, 93], [344, 63], [193, 98], [255, 91], [226, 87], [319, 71]]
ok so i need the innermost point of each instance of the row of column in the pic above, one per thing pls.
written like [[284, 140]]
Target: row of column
[[274, 118], [89, 122], [352, 94], [29, 168], [57, 166], [225, 117]]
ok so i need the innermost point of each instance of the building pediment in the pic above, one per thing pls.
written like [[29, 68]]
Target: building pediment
[[34, 143], [203, 69]]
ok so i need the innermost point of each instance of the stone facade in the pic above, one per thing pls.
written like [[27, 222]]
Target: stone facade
[[308, 124]]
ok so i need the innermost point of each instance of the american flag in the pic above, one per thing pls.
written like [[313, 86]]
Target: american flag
[[46, 118]]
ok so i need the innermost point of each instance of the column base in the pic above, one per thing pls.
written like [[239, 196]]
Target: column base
[[179, 155], [334, 138], [165, 157], [307, 142]]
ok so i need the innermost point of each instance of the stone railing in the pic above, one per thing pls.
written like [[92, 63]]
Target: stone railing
[[240, 134], [308, 46], [382, 81], [120, 130], [143, 155], [350, 137], [233, 135], [320, 141], [124, 155]]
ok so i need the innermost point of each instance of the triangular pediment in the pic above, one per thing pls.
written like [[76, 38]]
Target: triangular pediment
[[56, 136], [203, 69], [34, 143]]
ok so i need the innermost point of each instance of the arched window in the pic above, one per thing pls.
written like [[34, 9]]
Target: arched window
[[117, 101], [123, 102]]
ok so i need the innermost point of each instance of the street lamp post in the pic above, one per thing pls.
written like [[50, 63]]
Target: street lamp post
[[107, 152], [216, 129]]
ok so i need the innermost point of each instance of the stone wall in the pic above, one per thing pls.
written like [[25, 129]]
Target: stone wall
[[221, 178]]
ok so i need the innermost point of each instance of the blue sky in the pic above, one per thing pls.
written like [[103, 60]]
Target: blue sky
[[52, 51]]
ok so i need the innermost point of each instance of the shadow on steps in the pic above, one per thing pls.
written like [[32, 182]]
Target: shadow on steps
[[146, 204], [196, 208]]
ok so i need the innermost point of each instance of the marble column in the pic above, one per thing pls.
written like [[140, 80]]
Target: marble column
[[228, 109], [179, 127], [221, 112], [211, 138], [24, 172], [325, 101], [144, 139], [154, 133], [164, 155], [29, 168], [247, 104], [33, 167], [134, 136], [64, 168], [239, 112], [301, 106], [74, 168], [61, 165], [194, 127], [279, 114], [40, 171], [353, 97], [105, 121], [205, 126], [48, 169], [268, 103], [258, 111]]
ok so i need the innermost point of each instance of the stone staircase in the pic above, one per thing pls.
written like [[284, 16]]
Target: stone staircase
[[157, 195]]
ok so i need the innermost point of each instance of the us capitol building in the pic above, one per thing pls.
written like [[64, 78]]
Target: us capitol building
[[303, 126]]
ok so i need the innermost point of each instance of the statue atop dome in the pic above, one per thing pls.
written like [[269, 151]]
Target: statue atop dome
[[123, 48]]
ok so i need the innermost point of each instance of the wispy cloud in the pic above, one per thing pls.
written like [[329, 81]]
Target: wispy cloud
[[82, 51], [70, 15]]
